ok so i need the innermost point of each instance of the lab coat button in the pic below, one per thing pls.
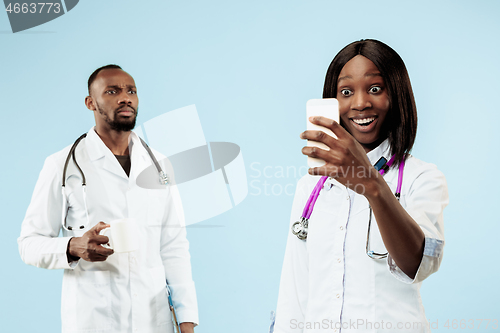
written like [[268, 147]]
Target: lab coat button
[[338, 295], [328, 186], [339, 260], [341, 228]]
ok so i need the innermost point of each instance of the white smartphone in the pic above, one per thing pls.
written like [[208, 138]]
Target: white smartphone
[[328, 108]]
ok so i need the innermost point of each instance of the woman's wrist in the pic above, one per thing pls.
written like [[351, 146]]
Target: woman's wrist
[[374, 189]]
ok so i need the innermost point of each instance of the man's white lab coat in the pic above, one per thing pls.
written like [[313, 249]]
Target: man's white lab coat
[[127, 292]]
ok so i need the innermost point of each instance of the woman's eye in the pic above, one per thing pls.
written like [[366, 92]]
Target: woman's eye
[[346, 92], [375, 90]]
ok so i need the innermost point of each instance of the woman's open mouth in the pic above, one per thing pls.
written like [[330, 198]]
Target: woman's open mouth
[[364, 124]]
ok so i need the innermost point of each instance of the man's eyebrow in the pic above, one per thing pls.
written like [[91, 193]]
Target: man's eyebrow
[[119, 87]]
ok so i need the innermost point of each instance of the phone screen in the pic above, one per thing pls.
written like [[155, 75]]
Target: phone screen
[[328, 108]]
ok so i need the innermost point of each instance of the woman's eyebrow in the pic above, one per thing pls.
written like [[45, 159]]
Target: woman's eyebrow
[[344, 77], [366, 75]]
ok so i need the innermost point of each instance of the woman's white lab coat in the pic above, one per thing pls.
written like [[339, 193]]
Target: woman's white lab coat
[[329, 284], [127, 292]]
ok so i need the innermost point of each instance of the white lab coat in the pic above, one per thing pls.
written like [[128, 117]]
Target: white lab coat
[[329, 284], [127, 292]]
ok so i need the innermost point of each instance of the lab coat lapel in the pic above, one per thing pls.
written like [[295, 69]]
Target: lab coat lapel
[[112, 165], [137, 196], [140, 159], [98, 151]]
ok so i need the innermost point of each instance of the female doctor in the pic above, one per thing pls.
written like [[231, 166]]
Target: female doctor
[[372, 239]]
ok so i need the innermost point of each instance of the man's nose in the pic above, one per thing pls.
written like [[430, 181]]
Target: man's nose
[[361, 101], [124, 98]]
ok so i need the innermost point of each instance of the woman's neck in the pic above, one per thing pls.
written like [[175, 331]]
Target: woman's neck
[[370, 146]]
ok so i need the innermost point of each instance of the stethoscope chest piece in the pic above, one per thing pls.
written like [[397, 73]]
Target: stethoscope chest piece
[[301, 228]]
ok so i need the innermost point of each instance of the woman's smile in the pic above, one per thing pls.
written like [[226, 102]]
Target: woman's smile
[[363, 101]]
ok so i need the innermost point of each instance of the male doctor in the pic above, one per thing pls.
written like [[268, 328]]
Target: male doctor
[[105, 291]]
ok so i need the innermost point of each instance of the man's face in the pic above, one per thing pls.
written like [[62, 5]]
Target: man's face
[[114, 100]]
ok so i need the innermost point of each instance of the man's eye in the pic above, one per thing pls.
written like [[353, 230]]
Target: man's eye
[[375, 90], [111, 92], [346, 92], [133, 92]]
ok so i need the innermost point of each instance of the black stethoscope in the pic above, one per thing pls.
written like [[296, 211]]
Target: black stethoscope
[[163, 180], [301, 227]]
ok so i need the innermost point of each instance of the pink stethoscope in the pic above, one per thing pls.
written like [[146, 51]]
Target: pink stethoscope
[[300, 228]]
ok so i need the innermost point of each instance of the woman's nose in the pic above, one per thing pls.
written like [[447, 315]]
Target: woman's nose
[[361, 101]]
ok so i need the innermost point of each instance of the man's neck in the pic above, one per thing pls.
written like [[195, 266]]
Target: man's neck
[[116, 141]]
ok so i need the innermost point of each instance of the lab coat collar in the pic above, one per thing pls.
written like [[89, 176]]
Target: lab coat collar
[[97, 149], [383, 149], [140, 158]]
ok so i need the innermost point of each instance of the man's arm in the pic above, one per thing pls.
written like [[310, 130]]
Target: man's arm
[[187, 327], [39, 244], [88, 247], [176, 261]]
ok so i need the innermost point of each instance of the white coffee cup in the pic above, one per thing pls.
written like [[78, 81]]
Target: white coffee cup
[[122, 235]]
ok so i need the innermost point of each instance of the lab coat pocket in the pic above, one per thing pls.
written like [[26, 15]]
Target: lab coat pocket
[[86, 301], [160, 296]]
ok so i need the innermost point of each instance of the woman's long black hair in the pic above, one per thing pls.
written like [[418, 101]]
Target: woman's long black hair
[[401, 120]]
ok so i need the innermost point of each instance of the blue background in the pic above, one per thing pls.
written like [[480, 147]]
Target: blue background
[[250, 67]]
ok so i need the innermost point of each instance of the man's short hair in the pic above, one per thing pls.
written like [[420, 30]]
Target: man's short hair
[[94, 75]]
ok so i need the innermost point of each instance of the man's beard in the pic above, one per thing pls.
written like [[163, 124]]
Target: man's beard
[[124, 125]]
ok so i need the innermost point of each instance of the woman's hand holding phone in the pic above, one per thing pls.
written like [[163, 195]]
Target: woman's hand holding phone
[[345, 159]]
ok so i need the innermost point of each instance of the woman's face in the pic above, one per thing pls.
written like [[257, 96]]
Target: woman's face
[[363, 101]]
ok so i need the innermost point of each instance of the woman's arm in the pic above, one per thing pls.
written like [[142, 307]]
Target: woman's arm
[[294, 282], [402, 236]]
